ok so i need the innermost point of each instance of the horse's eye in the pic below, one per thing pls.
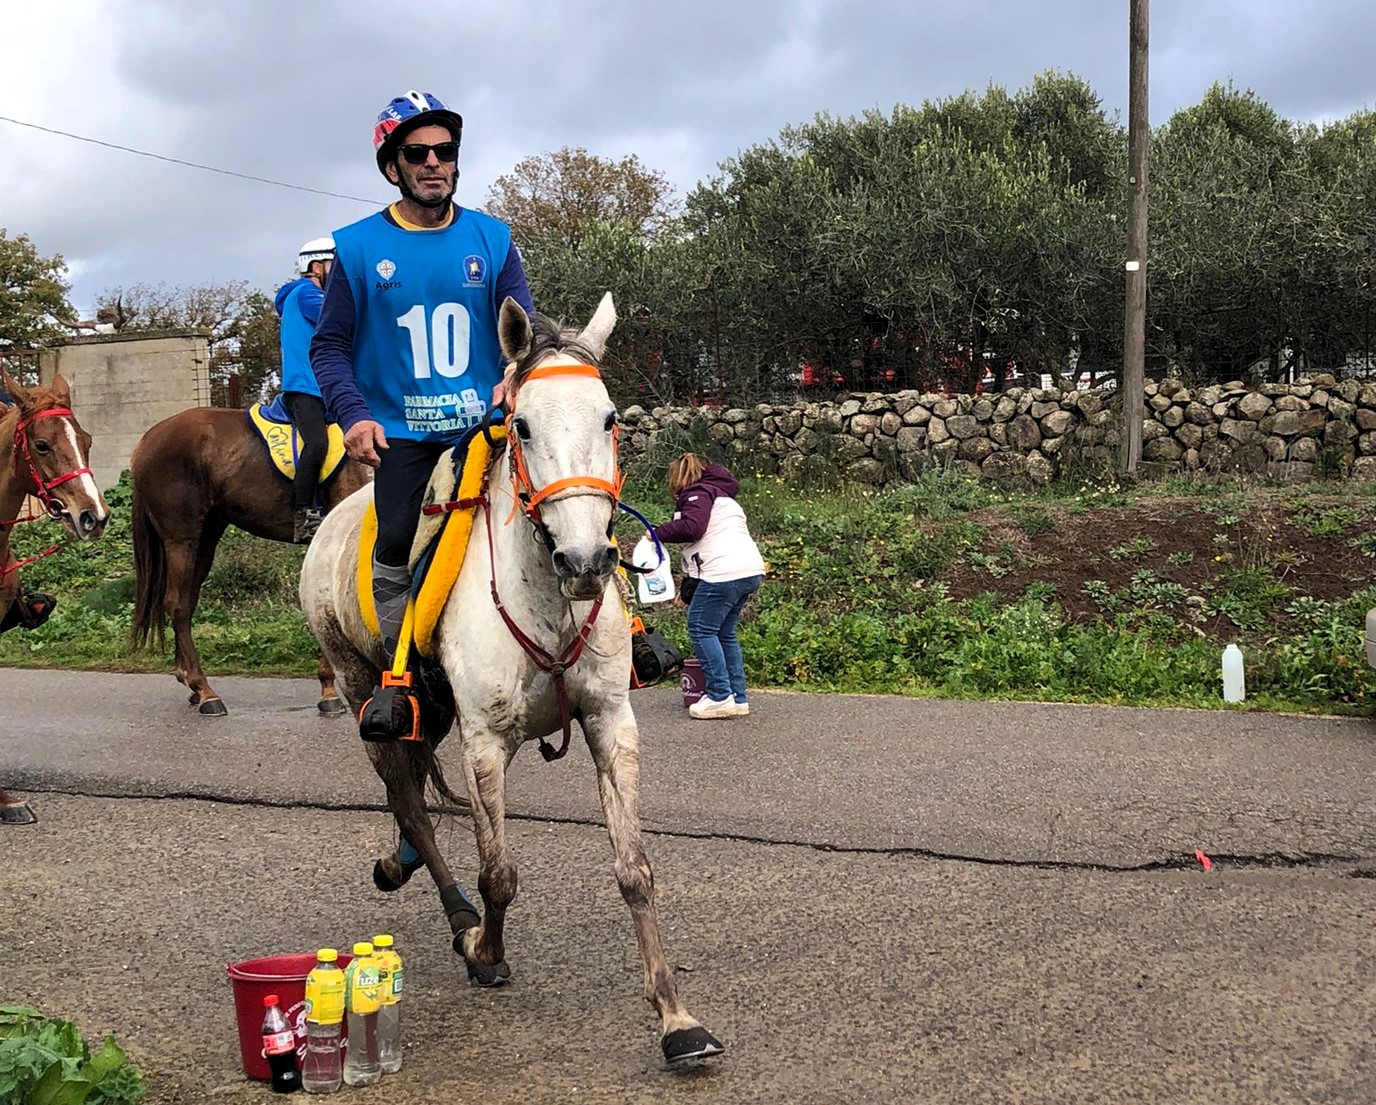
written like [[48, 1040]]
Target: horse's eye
[[41, 446], [612, 420], [522, 429]]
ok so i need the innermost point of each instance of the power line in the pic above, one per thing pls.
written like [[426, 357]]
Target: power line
[[190, 164]]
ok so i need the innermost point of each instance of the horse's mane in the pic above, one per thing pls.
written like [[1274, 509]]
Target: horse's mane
[[36, 399], [548, 336]]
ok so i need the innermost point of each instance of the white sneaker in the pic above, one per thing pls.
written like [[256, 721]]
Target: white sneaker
[[708, 709], [740, 709]]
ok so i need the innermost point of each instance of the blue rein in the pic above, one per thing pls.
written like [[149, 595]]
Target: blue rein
[[659, 548]]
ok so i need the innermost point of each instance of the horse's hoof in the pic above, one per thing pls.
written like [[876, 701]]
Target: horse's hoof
[[331, 707], [19, 814], [212, 707], [386, 883], [480, 974], [690, 1043]]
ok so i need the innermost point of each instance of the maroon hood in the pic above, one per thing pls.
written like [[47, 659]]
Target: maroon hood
[[694, 505]]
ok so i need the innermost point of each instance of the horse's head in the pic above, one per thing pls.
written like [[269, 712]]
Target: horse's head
[[561, 438], [53, 454]]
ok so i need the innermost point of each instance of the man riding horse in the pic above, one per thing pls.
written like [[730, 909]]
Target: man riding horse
[[298, 304], [406, 351]]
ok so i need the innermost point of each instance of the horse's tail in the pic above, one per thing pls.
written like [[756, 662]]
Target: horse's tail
[[435, 776], [150, 576]]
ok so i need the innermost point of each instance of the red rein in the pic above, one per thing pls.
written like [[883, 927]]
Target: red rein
[[42, 489]]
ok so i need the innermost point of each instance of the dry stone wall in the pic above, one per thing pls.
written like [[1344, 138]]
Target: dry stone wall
[[1318, 427]]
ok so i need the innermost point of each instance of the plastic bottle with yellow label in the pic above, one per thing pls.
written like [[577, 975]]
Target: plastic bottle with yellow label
[[361, 984], [322, 1071], [389, 1016]]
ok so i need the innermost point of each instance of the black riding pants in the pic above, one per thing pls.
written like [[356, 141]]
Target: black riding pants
[[308, 414], [398, 488]]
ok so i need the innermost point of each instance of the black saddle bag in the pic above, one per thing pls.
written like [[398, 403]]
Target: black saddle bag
[[653, 658]]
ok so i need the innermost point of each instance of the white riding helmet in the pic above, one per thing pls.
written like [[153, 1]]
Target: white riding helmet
[[317, 249]]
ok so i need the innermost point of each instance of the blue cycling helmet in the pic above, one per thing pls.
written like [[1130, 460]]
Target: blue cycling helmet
[[403, 115]]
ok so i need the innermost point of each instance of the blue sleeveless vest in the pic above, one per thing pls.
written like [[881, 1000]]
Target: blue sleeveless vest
[[297, 331], [426, 355]]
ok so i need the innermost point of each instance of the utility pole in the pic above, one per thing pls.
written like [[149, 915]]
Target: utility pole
[[1135, 312]]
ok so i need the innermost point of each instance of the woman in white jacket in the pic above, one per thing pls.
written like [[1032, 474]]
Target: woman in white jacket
[[721, 557]]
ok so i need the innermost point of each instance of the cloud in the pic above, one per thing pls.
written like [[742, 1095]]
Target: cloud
[[289, 92]]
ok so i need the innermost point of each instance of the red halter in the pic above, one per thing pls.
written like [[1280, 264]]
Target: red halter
[[43, 489]]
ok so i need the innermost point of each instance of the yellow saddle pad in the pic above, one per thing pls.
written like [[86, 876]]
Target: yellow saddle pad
[[444, 564], [284, 444]]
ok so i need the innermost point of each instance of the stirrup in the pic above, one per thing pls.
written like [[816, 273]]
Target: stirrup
[[392, 713]]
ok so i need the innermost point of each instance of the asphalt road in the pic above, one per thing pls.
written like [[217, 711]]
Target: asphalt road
[[870, 899]]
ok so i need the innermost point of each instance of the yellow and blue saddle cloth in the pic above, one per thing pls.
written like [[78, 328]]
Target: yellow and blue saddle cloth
[[284, 444]]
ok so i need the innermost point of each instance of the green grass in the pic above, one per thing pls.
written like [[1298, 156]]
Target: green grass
[[854, 601]]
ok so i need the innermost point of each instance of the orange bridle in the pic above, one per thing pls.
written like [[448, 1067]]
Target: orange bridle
[[526, 495]]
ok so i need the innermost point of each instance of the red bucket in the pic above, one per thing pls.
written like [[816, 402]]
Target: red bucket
[[253, 980], [691, 681]]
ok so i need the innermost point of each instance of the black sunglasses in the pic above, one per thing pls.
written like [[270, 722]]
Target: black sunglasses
[[417, 153]]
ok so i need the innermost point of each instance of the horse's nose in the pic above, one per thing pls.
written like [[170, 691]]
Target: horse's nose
[[92, 523], [597, 566]]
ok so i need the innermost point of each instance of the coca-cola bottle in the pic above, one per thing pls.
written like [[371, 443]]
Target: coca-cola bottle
[[279, 1048]]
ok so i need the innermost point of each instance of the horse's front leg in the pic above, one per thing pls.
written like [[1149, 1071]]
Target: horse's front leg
[[485, 760], [614, 742]]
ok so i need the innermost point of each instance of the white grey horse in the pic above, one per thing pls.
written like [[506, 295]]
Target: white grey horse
[[550, 559]]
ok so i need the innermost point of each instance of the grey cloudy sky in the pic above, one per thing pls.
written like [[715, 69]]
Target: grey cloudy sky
[[289, 90]]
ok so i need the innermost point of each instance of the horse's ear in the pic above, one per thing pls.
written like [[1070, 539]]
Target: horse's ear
[[599, 327], [17, 393], [62, 390], [513, 330]]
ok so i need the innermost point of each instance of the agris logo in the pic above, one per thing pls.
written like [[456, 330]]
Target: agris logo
[[386, 269]]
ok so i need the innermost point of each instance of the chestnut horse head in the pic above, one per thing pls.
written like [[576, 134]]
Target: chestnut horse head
[[51, 457]]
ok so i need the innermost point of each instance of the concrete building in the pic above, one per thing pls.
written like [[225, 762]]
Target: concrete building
[[124, 383]]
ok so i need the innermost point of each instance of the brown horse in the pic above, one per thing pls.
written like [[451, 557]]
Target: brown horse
[[46, 454], [194, 475]]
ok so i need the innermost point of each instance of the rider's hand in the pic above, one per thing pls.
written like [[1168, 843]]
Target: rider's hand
[[363, 441]]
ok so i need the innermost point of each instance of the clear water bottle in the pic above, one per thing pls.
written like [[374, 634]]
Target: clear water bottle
[[361, 1065], [279, 1047], [389, 995], [323, 1068]]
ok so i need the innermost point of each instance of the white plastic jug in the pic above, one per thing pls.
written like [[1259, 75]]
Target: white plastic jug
[[656, 585], [1234, 677]]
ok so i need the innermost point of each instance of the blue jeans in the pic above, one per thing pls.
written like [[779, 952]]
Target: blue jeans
[[712, 619]]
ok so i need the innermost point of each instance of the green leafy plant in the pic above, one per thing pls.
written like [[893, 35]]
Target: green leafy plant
[[1365, 544], [45, 1061], [1325, 520], [1137, 546], [1246, 596]]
